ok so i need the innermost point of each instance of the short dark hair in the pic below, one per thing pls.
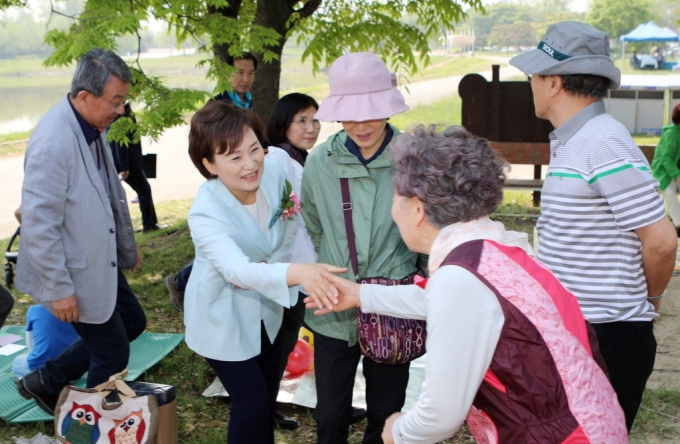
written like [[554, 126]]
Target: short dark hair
[[218, 128], [585, 85], [457, 175], [283, 113], [675, 115], [245, 56]]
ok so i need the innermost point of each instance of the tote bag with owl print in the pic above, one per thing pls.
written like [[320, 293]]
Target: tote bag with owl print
[[84, 416]]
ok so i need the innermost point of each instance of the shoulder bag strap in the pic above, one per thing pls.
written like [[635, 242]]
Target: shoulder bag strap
[[349, 227]]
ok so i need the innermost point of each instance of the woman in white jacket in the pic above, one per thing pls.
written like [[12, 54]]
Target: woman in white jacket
[[242, 223]]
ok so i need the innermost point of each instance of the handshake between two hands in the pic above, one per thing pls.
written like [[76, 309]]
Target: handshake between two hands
[[328, 292]]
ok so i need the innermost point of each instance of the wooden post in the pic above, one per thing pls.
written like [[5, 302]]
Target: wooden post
[[495, 118]]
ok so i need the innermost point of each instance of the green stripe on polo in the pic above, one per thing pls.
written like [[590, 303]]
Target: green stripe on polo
[[616, 170], [552, 52], [567, 175]]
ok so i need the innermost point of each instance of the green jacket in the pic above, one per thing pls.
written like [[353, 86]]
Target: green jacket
[[666, 156], [380, 250]]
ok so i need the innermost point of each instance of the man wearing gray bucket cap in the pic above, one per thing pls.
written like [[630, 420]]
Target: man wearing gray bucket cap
[[603, 230]]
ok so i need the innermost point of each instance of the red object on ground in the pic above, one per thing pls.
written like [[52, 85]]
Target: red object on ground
[[300, 359]]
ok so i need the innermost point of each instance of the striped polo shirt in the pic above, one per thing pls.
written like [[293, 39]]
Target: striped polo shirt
[[598, 190]]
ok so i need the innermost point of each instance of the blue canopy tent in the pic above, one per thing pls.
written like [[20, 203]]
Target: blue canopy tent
[[648, 32]]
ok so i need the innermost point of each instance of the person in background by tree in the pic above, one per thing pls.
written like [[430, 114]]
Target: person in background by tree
[[129, 163], [241, 81], [665, 166]]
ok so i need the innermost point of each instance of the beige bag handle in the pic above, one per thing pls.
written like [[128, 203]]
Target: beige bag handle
[[116, 384]]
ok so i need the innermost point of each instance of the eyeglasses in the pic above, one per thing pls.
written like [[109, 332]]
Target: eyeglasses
[[116, 106], [528, 77], [305, 122]]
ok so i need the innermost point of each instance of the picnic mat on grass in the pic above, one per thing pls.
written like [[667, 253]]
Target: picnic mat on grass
[[145, 352]]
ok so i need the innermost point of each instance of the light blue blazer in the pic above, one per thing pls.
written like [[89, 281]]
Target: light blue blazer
[[238, 279]]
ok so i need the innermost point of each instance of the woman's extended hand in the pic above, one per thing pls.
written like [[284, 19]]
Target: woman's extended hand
[[348, 294], [319, 289], [387, 435]]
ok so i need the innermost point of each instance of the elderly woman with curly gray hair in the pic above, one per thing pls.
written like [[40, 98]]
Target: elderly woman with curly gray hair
[[508, 348]]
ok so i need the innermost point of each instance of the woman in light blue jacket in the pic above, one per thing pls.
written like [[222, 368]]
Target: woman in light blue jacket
[[242, 223]]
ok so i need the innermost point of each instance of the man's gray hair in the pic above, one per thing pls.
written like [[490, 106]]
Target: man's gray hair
[[94, 70], [456, 175]]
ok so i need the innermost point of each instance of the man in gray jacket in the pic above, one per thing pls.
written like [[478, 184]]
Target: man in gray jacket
[[76, 233]]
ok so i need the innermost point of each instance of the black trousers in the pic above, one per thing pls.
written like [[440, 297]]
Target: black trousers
[[629, 349], [252, 385], [336, 365], [103, 349], [6, 304], [183, 276], [138, 182]]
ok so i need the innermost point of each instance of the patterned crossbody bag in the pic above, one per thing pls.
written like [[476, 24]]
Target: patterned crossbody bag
[[384, 339]]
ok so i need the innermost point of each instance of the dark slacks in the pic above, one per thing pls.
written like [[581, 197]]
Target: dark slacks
[[6, 304], [629, 349], [336, 365], [183, 276], [138, 182], [103, 349], [252, 385]]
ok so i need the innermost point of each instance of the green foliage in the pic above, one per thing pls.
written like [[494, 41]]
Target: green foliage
[[521, 33], [499, 14], [329, 29], [4, 4], [618, 17], [342, 26]]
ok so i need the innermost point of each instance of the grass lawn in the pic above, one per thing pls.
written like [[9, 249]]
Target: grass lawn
[[445, 112], [203, 420]]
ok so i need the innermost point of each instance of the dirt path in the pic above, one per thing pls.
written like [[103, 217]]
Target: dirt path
[[667, 331]]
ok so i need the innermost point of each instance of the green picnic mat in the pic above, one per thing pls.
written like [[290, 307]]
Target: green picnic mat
[[145, 352]]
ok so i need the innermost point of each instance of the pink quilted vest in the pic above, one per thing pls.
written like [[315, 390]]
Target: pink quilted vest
[[543, 385]]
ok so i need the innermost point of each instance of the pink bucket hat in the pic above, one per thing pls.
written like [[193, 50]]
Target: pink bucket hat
[[362, 88]]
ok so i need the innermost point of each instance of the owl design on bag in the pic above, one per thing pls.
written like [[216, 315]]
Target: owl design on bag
[[129, 430], [81, 425]]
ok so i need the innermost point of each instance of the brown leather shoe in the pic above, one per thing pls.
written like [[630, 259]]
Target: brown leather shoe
[[176, 296]]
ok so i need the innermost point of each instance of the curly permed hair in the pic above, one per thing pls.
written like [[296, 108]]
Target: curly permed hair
[[456, 175]]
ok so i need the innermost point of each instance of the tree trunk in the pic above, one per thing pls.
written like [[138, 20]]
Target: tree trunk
[[274, 14], [271, 14]]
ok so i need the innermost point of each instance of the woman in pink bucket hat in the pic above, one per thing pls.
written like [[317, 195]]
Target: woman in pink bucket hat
[[363, 96]]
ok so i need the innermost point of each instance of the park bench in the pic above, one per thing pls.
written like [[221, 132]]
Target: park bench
[[537, 154]]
